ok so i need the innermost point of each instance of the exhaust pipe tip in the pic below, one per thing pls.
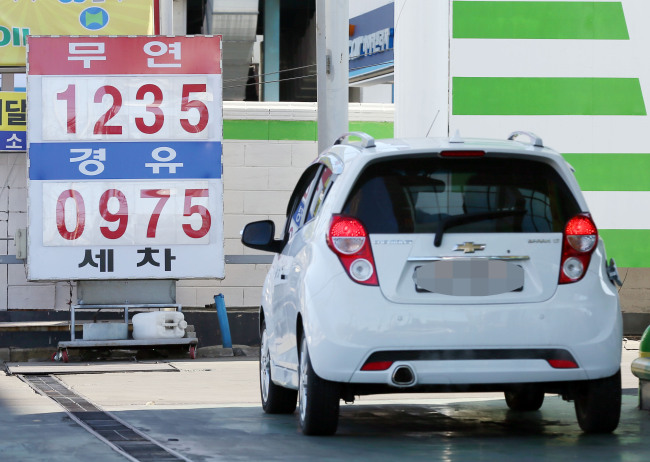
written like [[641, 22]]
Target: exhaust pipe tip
[[403, 376]]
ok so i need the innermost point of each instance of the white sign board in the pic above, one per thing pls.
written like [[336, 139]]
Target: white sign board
[[125, 142]]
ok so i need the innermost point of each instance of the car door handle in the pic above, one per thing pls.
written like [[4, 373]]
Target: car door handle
[[283, 276]]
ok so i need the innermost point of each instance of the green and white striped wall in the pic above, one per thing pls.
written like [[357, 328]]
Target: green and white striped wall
[[575, 73]]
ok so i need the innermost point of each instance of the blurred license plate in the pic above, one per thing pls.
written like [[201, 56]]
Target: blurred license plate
[[469, 277]]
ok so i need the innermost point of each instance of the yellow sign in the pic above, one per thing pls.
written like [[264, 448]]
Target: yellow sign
[[20, 18], [13, 121], [12, 111]]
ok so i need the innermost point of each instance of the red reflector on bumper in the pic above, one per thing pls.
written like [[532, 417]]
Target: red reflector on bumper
[[562, 364], [377, 366]]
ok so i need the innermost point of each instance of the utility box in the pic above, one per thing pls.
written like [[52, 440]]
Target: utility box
[[106, 331]]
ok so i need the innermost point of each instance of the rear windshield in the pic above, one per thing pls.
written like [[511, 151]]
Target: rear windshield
[[484, 195]]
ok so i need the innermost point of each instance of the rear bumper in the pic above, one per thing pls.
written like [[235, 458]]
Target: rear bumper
[[346, 327], [472, 372]]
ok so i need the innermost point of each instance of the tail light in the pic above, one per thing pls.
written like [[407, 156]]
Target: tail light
[[578, 244], [348, 239]]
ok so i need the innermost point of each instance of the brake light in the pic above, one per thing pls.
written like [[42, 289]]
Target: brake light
[[462, 153], [578, 244], [348, 239], [377, 366]]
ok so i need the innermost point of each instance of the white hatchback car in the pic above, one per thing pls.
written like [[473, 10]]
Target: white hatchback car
[[432, 265]]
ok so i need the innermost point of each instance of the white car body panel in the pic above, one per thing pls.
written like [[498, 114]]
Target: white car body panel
[[345, 322]]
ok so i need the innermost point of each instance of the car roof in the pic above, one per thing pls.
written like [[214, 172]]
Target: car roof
[[346, 154], [348, 150], [461, 144]]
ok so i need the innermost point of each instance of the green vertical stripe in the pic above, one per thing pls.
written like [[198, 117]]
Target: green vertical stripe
[[539, 20], [627, 246], [611, 172], [295, 130], [547, 96]]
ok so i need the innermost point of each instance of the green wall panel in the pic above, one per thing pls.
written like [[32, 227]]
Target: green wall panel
[[628, 247], [547, 96], [611, 172], [539, 20], [375, 129], [295, 130], [299, 130], [245, 130]]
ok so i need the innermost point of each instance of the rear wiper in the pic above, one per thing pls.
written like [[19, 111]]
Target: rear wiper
[[456, 220]]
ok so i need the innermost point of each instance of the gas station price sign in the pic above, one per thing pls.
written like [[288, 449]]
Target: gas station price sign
[[125, 143]]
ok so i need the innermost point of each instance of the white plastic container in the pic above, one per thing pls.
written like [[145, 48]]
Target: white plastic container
[[159, 324]]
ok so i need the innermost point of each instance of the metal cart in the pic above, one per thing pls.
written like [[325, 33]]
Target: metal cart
[[62, 348]]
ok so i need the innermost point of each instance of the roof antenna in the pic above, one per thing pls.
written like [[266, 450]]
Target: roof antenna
[[433, 122], [456, 138]]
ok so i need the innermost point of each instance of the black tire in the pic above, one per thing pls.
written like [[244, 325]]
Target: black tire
[[525, 398], [318, 399], [275, 399], [598, 404]]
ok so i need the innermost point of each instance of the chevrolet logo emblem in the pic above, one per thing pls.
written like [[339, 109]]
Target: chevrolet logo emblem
[[469, 247]]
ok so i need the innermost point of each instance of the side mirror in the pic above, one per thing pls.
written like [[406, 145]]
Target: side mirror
[[260, 235]]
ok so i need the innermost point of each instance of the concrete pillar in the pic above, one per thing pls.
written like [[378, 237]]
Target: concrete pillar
[[166, 9], [421, 68], [271, 59], [179, 17], [332, 56]]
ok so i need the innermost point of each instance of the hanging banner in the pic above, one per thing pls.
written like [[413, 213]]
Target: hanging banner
[[21, 18], [125, 158]]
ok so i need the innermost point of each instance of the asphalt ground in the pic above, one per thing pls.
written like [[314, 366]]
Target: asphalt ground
[[208, 410]]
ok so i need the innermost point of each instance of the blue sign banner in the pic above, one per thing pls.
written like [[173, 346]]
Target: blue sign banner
[[371, 45], [125, 160], [13, 141]]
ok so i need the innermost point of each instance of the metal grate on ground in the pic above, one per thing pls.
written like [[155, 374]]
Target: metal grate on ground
[[118, 435]]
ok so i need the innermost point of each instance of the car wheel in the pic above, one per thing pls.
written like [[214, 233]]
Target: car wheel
[[598, 404], [318, 399], [525, 398], [275, 399]]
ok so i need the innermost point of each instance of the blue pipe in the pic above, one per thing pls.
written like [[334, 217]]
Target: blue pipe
[[222, 317]]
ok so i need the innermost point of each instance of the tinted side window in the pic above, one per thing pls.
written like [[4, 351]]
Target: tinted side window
[[414, 195], [300, 197], [321, 189]]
